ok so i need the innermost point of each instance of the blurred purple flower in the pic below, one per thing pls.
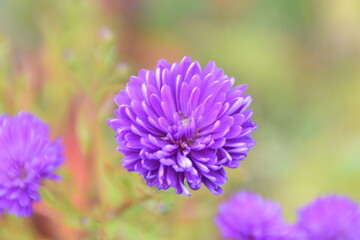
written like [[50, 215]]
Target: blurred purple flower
[[330, 218], [180, 122], [27, 156], [247, 216]]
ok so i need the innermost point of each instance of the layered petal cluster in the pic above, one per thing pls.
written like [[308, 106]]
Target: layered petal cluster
[[247, 216], [27, 155], [330, 218], [181, 123]]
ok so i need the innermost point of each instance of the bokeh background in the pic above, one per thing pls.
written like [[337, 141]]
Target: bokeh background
[[65, 60]]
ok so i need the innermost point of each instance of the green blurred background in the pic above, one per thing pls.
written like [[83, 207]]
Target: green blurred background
[[65, 60]]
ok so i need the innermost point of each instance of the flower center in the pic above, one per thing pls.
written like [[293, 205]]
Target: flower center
[[185, 121], [182, 132], [23, 173], [16, 171]]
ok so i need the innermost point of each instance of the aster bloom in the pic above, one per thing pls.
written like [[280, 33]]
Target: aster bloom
[[27, 156], [181, 123], [330, 218], [247, 216]]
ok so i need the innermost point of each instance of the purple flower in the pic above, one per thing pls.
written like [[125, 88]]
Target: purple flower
[[180, 122], [27, 156], [246, 216], [330, 218]]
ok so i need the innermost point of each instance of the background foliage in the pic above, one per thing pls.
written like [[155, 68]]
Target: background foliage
[[65, 60]]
